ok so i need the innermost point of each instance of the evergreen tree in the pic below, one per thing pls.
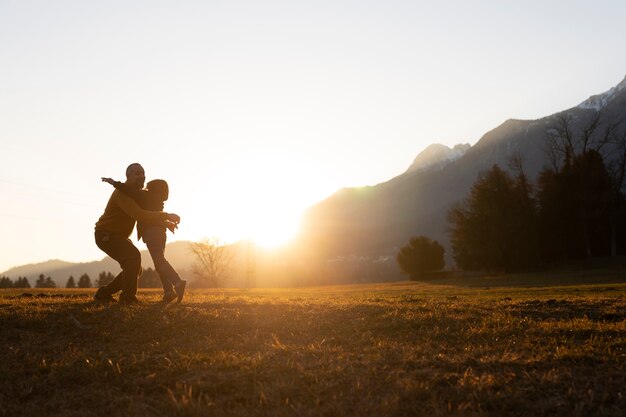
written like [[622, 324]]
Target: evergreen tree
[[524, 223], [555, 215], [41, 282], [104, 278], [420, 256], [22, 282], [493, 227], [149, 279], [594, 198], [5, 282], [576, 209], [581, 198], [616, 167], [45, 282], [70, 282], [84, 281]]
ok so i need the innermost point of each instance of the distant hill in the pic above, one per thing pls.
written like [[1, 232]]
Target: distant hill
[[375, 221], [33, 269], [176, 252]]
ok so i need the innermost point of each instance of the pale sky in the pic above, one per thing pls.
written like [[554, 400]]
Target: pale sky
[[255, 110]]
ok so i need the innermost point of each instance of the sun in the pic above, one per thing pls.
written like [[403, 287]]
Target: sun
[[261, 198], [272, 229], [273, 205], [258, 197]]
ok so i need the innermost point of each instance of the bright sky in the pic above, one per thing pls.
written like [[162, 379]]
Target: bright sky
[[255, 110]]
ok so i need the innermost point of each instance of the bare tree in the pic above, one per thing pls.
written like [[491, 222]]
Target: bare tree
[[560, 140], [588, 137], [565, 141], [214, 258]]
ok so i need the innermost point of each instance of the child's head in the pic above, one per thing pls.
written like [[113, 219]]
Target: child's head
[[159, 188]]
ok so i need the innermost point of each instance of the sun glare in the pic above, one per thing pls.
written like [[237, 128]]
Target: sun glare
[[274, 229], [261, 199], [273, 217]]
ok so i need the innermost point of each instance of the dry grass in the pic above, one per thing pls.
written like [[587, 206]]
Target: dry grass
[[385, 350]]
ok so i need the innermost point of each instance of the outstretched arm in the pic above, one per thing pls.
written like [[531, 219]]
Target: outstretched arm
[[134, 193]]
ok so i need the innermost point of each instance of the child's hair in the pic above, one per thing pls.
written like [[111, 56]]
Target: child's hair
[[159, 187]]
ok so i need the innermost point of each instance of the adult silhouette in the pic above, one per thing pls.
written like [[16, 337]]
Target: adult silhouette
[[112, 233]]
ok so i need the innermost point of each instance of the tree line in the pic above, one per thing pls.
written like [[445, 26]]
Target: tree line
[[149, 279], [20, 282], [575, 209]]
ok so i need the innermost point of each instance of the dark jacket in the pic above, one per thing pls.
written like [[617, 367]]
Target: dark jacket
[[147, 200]]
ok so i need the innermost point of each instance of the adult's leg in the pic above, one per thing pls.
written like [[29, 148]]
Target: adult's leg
[[129, 258]]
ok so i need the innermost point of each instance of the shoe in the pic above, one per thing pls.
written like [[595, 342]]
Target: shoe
[[168, 297], [180, 290], [129, 300], [102, 297]]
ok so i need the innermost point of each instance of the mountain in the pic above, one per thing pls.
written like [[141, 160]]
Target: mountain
[[36, 268], [600, 101], [373, 222], [436, 157], [177, 253]]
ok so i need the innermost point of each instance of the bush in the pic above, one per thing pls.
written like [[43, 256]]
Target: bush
[[420, 256]]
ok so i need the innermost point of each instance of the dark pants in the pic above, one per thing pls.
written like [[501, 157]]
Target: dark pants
[[155, 239], [127, 255]]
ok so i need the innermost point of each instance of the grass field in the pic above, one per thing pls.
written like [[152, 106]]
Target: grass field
[[403, 349]]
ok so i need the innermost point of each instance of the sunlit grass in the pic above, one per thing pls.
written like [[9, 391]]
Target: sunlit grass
[[389, 349]]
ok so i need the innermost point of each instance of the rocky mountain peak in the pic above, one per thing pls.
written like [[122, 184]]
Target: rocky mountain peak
[[599, 101], [437, 156]]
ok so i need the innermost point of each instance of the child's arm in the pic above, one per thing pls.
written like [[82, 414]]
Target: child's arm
[[172, 226], [134, 193]]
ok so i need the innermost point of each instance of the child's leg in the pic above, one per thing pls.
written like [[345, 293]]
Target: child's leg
[[156, 246], [157, 251]]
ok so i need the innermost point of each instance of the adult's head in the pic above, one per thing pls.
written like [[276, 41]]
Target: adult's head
[[135, 175]]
